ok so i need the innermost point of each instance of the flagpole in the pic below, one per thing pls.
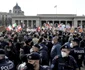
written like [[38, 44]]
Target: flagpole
[[56, 8]]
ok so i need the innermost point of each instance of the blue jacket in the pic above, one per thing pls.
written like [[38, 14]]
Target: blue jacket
[[56, 50]]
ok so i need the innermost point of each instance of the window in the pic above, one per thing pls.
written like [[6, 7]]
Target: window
[[29, 23], [25, 22], [16, 21], [15, 12], [34, 23], [79, 23]]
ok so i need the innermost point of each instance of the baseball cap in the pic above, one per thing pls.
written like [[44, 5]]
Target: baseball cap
[[37, 46], [76, 40], [65, 47], [33, 56], [2, 52]]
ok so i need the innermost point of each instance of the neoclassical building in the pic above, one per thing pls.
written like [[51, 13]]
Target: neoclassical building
[[17, 16], [6, 18], [40, 19]]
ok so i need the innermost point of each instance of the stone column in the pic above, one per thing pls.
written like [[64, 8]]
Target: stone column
[[31, 23], [72, 23], [65, 22], [13, 21], [22, 22], [75, 23], [81, 24], [59, 22], [27, 23], [38, 23], [19, 22], [53, 22]]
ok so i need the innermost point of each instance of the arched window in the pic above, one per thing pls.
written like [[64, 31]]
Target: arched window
[[15, 11]]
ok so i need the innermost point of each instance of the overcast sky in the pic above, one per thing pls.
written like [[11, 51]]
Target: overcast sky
[[34, 7]]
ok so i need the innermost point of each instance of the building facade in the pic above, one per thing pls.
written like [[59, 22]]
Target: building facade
[[6, 18], [40, 19], [17, 16]]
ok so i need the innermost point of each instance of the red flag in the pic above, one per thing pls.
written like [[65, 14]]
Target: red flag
[[59, 25], [38, 29], [19, 28]]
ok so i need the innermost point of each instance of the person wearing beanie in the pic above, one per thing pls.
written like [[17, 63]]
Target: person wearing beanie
[[26, 46], [65, 61], [33, 63], [25, 49], [5, 63]]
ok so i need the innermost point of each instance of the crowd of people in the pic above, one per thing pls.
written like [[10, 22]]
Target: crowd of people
[[42, 50]]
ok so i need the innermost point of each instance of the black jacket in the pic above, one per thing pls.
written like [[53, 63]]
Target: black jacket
[[66, 63], [82, 44], [77, 53], [27, 66], [6, 64]]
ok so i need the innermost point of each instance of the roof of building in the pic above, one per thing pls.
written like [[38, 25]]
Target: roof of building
[[16, 6], [53, 16], [56, 15]]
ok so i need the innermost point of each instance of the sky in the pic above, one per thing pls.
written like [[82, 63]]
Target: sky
[[34, 7]]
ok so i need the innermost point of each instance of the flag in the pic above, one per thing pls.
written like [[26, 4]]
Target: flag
[[59, 25], [14, 25], [48, 25], [19, 28], [9, 28], [38, 29]]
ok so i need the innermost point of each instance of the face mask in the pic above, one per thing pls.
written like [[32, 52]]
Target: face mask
[[64, 54], [71, 45], [43, 41], [52, 42], [31, 50], [30, 66]]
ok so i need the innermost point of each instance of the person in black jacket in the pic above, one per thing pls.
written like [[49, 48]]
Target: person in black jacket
[[42, 52], [82, 42], [77, 52], [65, 61], [25, 49], [32, 63], [5, 64]]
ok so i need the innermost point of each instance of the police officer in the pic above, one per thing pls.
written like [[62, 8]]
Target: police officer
[[42, 52], [32, 63], [5, 63], [65, 61], [82, 45], [77, 52]]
